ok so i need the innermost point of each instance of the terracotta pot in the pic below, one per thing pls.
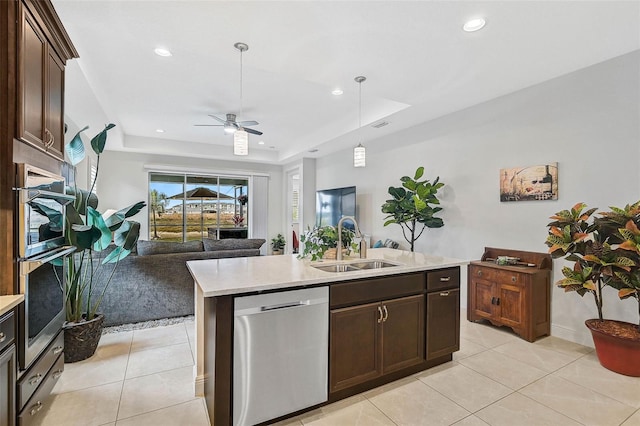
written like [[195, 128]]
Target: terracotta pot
[[620, 354], [81, 338]]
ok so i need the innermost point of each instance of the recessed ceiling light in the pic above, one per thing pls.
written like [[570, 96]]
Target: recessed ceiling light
[[261, 143], [162, 52], [337, 92], [159, 130], [474, 25]]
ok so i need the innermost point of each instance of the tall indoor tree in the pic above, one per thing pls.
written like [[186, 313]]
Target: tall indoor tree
[[410, 206]]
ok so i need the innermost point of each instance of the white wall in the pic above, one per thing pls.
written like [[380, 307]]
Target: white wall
[[587, 121], [123, 180]]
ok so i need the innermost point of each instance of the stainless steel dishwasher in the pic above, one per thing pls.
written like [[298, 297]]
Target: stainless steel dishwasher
[[280, 353]]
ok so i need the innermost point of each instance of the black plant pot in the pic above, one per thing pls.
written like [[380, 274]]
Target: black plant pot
[[81, 338]]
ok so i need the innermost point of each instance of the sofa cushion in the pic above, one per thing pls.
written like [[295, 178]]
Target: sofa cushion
[[146, 248], [232, 244]]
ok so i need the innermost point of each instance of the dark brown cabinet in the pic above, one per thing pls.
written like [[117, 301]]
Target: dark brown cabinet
[[8, 369], [515, 296], [41, 63], [370, 340], [443, 312]]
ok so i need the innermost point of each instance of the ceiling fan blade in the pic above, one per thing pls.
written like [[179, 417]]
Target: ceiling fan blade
[[217, 118], [248, 123], [252, 131], [208, 125]]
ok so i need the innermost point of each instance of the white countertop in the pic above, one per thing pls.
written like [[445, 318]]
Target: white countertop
[[9, 302], [219, 277]]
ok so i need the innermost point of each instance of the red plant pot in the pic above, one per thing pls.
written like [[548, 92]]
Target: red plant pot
[[617, 345]]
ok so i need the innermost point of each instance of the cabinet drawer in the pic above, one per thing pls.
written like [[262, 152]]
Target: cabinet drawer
[[508, 277], [30, 414], [32, 378], [443, 278], [483, 273], [7, 330], [376, 289]]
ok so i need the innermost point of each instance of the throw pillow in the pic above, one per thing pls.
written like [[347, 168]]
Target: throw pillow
[[232, 243], [146, 248]]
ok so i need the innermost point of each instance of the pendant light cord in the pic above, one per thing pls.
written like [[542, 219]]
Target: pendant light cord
[[241, 82], [360, 105]]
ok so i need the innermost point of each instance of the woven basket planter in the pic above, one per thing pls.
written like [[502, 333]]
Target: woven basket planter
[[81, 338]]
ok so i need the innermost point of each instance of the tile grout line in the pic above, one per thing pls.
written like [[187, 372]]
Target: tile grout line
[[124, 379]]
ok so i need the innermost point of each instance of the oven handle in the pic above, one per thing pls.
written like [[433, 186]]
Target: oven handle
[[30, 194], [29, 265]]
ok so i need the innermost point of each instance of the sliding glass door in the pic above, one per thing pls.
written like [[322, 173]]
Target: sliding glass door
[[185, 207]]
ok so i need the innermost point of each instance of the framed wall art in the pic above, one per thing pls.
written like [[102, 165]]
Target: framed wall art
[[531, 183]]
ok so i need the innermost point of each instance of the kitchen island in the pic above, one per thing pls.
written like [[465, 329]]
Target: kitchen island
[[384, 322]]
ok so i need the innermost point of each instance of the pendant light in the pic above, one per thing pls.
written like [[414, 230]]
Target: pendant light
[[359, 152], [240, 136]]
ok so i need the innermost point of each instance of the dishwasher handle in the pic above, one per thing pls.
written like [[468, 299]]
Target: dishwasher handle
[[284, 306]]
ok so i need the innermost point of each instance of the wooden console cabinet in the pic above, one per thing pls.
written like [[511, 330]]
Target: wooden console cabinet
[[516, 296]]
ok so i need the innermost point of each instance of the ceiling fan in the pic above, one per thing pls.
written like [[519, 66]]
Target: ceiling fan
[[231, 125]]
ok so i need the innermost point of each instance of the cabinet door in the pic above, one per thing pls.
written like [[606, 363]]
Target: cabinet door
[[510, 305], [443, 323], [7, 386], [32, 112], [354, 355], [54, 139], [482, 297], [402, 333]]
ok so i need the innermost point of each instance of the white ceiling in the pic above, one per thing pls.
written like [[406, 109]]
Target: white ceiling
[[418, 62]]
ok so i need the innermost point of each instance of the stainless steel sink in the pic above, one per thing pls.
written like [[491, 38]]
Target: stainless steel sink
[[372, 264], [358, 265], [340, 267]]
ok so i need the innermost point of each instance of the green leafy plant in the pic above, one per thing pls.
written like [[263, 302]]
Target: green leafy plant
[[410, 206], [605, 251], [278, 242], [315, 242], [90, 268]]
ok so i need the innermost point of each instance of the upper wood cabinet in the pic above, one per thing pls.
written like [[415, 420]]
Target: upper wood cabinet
[[43, 49]]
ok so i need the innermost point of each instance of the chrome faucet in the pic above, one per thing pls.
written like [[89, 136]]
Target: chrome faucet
[[358, 235]]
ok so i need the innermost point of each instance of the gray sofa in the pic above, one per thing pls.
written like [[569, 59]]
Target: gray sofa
[[154, 282]]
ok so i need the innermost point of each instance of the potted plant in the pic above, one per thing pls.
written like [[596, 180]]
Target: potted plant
[[277, 244], [605, 252], [321, 242], [409, 206], [100, 245]]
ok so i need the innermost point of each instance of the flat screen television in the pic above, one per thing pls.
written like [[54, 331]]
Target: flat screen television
[[332, 204]]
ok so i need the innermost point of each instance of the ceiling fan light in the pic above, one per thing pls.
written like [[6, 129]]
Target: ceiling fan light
[[359, 156], [229, 128], [241, 142]]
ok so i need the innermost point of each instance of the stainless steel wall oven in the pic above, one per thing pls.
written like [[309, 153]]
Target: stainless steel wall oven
[[41, 223]]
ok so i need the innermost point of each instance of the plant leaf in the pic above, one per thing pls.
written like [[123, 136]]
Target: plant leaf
[[75, 149], [99, 141], [95, 219], [419, 173]]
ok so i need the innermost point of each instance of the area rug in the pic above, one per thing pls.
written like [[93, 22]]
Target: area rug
[[147, 324]]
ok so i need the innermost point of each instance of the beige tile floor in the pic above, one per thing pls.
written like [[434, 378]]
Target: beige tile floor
[[145, 377]]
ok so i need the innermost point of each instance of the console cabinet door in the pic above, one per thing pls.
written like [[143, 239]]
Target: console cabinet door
[[443, 323], [482, 293], [403, 333], [510, 304], [355, 355]]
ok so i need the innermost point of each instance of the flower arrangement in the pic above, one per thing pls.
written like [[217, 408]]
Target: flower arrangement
[[238, 220], [242, 199], [315, 242]]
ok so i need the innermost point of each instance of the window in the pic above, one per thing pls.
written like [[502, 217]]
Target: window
[[185, 207]]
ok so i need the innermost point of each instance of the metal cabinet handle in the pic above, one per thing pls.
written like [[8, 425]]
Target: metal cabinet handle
[[479, 273], [37, 407], [379, 312], [445, 279], [444, 293], [57, 350], [34, 380], [513, 279], [3, 337], [56, 375], [386, 313]]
